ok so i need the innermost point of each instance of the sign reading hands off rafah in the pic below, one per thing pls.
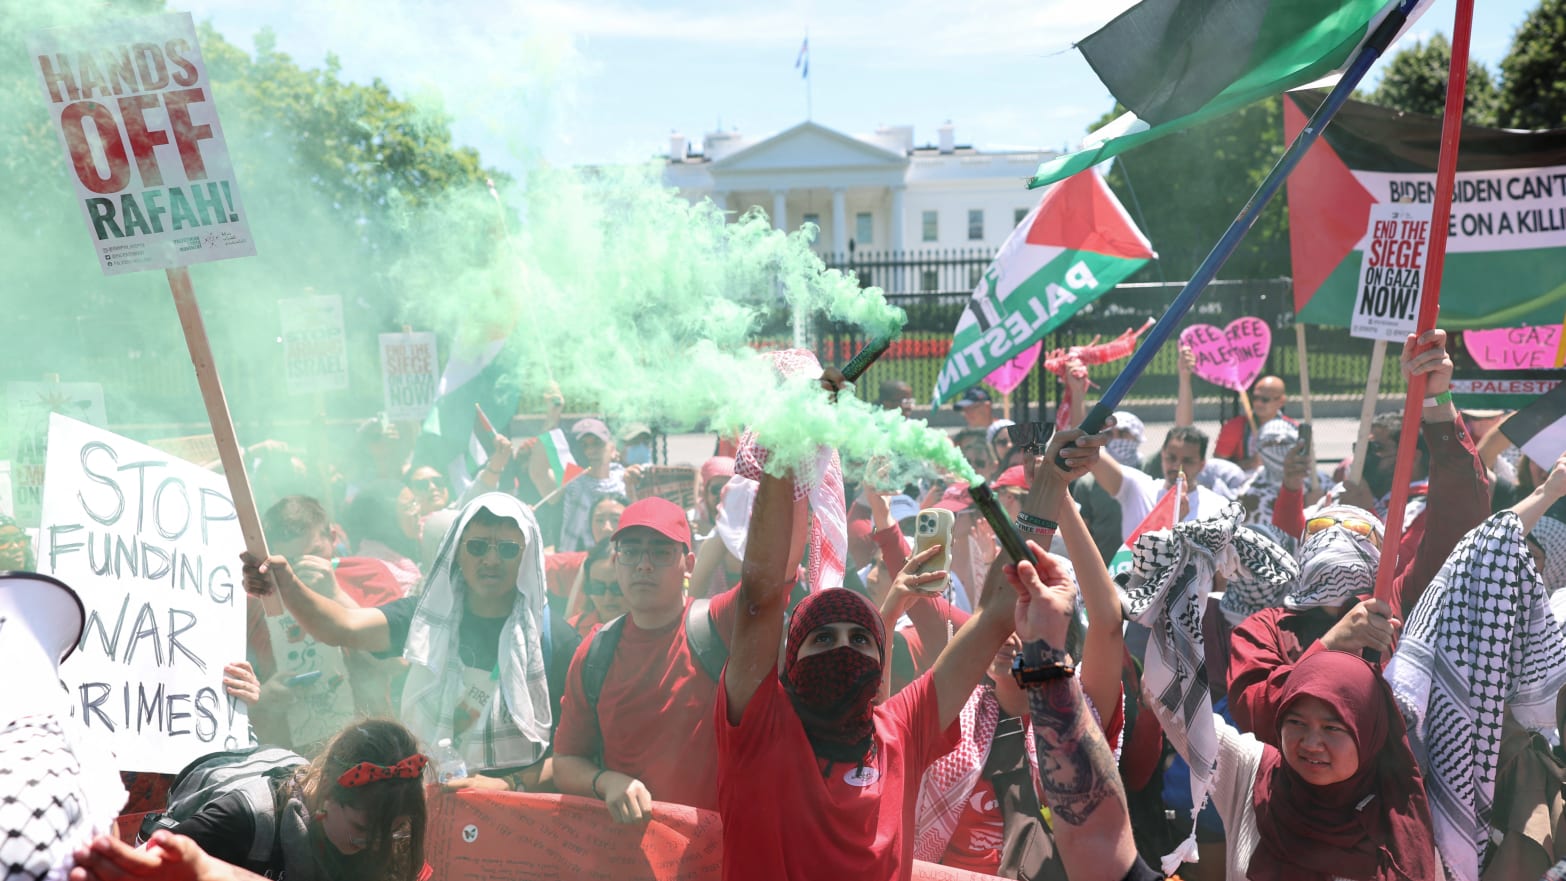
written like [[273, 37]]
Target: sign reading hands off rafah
[[151, 544], [133, 108], [1075, 245]]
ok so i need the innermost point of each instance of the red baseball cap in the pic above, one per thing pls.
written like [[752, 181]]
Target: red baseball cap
[[661, 516], [955, 499], [1012, 476]]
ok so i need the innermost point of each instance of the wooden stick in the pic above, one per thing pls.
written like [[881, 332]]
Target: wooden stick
[[1245, 407], [1311, 486], [1367, 411], [229, 451]]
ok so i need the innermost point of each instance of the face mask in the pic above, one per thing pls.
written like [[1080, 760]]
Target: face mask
[[1124, 451], [834, 696], [638, 454]]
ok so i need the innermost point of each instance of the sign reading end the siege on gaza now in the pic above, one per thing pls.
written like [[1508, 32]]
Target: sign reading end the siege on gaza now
[[132, 105], [151, 544], [1392, 274]]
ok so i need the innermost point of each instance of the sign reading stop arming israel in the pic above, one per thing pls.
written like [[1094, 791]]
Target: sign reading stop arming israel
[[133, 108]]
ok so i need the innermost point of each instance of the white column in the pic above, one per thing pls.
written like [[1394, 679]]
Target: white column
[[780, 209], [839, 224], [897, 217]]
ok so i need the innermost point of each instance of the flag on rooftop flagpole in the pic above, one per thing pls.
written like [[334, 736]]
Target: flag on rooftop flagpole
[[1176, 63], [1076, 244], [802, 60], [1539, 429]]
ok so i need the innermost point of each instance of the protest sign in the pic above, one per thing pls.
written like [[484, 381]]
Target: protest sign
[[1392, 273], [410, 372], [322, 700], [674, 483], [476, 836], [132, 106], [315, 347], [29, 405], [7, 507], [151, 543], [1514, 348], [1231, 357], [1507, 223]]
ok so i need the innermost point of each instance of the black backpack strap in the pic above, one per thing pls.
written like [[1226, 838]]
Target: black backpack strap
[[701, 634], [600, 654]]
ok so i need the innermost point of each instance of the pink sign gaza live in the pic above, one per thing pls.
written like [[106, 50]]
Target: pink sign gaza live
[[1514, 348], [1231, 357]]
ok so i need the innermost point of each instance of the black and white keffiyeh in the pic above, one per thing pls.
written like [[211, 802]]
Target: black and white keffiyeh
[[1336, 565], [1550, 533], [1482, 640], [1266, 573], [1171, 576], [514, 727]]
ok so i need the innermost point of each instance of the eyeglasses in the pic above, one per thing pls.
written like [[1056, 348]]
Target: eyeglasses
[[595, 588], [428, 483], [479, 547], [1355, 525], [660, 555], [1265, 399]]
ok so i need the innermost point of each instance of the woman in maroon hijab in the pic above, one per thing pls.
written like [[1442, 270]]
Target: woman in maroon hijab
[[1342, 797]]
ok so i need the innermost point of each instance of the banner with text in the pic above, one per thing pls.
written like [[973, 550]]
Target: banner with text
[[1392, 274], [28, 405], [410, 372], [134, 111], [151, 543], [1507, 228], [315, 346]]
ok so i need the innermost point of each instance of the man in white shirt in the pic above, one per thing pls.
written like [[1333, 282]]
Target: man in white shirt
[[1184, 450]]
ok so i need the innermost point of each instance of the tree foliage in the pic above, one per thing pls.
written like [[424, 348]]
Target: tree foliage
[[1416, 78], [1533, 73]]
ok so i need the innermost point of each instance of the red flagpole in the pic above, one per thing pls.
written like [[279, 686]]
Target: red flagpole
[[1430, 299]]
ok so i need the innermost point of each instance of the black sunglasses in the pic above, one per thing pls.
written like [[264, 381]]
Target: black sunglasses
[[427, 482], [479, 547], [596, 588]]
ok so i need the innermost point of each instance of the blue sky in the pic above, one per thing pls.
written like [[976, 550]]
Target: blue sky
[[607, 80]]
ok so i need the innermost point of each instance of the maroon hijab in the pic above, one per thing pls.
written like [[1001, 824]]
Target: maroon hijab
[[834, 692], [1373, 826]]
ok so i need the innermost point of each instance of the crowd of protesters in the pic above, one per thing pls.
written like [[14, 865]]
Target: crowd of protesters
[[1239, 701]]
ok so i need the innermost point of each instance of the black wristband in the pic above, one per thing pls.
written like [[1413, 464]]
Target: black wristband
[[601, 772]]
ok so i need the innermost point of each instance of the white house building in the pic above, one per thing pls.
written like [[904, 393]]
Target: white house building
[[876, 193]]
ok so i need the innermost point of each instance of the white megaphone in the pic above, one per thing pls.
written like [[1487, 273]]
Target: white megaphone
[[41, 620]]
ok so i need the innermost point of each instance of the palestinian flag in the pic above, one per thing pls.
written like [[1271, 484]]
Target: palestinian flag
[[1506, 255], [558, 451], [1165, 514], [1076, 244], [451, 432], [1539, 429], [1176, 63]]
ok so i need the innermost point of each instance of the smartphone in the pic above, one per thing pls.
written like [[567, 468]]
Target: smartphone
[[934, 527], [1305, 436], [302, 679]]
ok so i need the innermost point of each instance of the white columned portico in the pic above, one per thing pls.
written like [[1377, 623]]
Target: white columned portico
[[897, 217], [780, 209], [839, 222]]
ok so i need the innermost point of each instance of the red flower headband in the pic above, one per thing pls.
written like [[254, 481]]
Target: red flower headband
[[369, 772]]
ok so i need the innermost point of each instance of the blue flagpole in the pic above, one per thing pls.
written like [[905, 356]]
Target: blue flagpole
[[1221, 252]]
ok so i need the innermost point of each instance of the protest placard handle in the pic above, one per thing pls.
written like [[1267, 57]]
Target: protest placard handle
[[229, 451], [1367, 410], [1305, 413], [1245, 407]]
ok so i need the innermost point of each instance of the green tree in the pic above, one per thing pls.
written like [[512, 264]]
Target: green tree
[[1533, 73], [1416, 78]]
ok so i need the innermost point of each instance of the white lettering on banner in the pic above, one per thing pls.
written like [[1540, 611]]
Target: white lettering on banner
[[133, 94], [151, 543]]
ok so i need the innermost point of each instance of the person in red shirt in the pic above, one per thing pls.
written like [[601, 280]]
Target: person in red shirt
[[814, 779], [650, 735]]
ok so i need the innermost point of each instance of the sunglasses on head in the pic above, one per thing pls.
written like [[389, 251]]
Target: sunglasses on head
[[1359, 527], [479, 547]]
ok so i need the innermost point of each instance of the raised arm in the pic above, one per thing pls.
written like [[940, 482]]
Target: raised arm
[[328, 621], [1077, 770], [1185, 399], [1533, 506], [1104, 647], [773, 546]]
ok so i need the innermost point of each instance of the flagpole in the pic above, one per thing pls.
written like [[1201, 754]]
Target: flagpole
[[1430, 297], [1221, 252]]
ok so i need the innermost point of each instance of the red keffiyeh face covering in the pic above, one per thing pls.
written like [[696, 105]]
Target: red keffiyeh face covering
[[834, 692]]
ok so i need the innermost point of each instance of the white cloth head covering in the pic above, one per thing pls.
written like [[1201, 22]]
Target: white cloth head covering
[[734, 507], [516, 721], [1336, 565], [1273, 441]]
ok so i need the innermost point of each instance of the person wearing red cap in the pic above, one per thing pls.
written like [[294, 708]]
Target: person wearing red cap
[[649, 735], [814, 779]]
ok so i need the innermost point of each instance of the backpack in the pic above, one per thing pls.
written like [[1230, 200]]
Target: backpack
[[701, 633], [253, 772]]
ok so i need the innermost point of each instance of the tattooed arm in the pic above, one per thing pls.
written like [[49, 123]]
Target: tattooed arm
[[1076, 767]]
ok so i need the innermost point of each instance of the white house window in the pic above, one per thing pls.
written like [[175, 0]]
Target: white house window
[[928, 282], [863, 227], [932, 231], [975, 224]]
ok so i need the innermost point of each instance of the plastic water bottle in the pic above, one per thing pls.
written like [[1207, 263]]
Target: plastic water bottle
[[449, 764]]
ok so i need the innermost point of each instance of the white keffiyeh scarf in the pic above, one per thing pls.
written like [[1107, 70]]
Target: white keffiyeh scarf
[[1481, 641], [516, 721]]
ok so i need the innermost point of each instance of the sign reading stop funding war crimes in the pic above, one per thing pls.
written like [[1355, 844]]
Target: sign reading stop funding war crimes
[[132, 105], [315, 347], [151, 543], [1075, 245], [410, 371], [1392, 274], [28, 406], [1506, 232]]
